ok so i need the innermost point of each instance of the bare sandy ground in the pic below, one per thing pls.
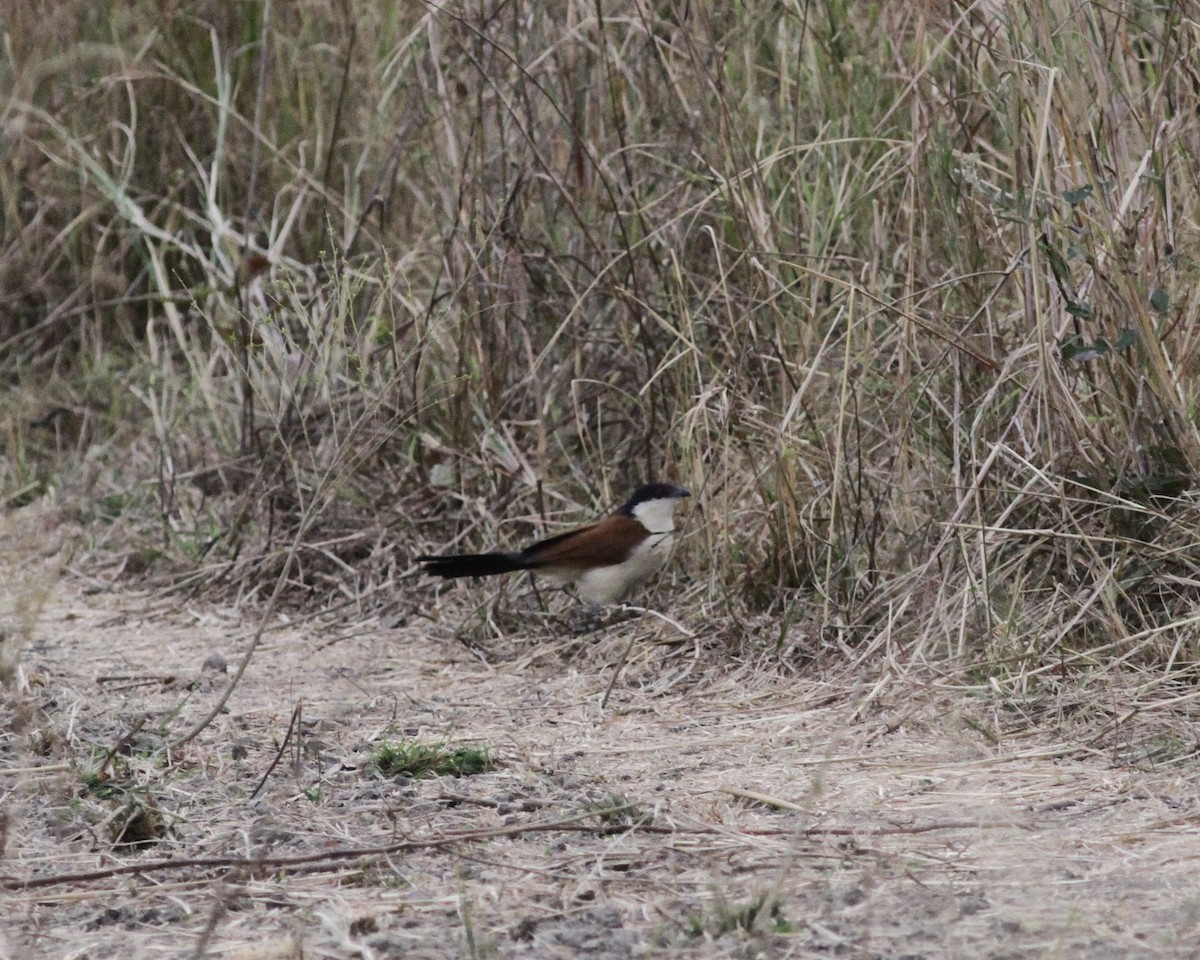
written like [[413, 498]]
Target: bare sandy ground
[[713, 808]]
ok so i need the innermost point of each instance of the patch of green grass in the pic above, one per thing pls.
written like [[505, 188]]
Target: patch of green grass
[[134, 818], [760, 914], [411, 758], [102, 786]]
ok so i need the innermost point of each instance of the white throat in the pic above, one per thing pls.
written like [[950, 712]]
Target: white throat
[[657, 516]]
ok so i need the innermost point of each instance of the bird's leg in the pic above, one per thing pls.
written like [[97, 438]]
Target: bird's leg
[[533, 585]]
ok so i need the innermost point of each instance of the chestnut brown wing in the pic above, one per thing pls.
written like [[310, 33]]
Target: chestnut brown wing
[[600, 544]]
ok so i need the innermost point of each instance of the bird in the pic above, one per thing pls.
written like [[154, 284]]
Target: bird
[[604, 559]]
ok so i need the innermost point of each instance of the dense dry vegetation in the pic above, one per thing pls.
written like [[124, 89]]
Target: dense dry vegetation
[[906, 293]]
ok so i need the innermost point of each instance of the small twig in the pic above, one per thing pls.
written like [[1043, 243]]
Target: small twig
[[765, 799], [529, 803], [279, 753], [37, 771], [665, 619], [629, 646], [122, 742], [210, 927], [462, 798], [272, 602], [329, 858], [617, 672]]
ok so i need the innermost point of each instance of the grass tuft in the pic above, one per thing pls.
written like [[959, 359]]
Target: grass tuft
[[414, 759], [907, 297], [760, 914]]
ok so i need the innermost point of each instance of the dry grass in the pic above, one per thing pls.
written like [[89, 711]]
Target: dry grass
[[290, 293], [906, 295], [714, 808]]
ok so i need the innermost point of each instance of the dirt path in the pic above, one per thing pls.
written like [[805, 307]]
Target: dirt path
[[780, 815]]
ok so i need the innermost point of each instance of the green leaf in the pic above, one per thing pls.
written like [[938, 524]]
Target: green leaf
[[1160, 300], [1058, 266], [1076, 197], [1127, 339], [1077, 308], [1083, 352]]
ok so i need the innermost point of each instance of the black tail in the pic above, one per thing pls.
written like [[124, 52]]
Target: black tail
[[473, 564]]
